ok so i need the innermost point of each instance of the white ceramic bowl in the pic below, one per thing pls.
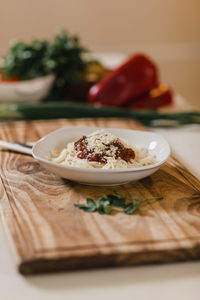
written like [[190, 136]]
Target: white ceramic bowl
[[155, 143], [26, 90]]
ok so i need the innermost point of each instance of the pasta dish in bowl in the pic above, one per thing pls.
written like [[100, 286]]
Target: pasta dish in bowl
[[101, 156]]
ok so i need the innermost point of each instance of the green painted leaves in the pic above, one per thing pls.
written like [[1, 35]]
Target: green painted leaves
[[107, 203]]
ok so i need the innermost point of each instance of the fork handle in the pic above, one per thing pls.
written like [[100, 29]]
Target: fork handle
[[15, 147]]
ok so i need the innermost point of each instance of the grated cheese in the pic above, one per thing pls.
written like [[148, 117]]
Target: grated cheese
[[97, 143]]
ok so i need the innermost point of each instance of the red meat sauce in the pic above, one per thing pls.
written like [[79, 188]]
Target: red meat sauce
[[127, 154]]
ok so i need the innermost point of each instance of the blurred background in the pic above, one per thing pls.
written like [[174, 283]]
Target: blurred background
[[168, 31]]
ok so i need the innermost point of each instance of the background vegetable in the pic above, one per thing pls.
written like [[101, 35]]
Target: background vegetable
[[52, 110], [133, 84], [131, 79], [63, 57], [153, 99], [9, 79]]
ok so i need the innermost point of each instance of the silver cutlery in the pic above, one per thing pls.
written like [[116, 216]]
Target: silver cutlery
[[17, 146]]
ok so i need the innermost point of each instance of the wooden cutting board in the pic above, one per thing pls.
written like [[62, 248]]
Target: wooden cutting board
[[47, 233]]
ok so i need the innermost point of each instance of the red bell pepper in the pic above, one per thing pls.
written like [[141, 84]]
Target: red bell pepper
[[133, 78], [7, 80], [155, 98]]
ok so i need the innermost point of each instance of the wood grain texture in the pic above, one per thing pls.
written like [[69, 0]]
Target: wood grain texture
[[47, 233]]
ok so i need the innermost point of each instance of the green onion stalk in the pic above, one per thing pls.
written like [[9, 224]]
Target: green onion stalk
[[68, 110]]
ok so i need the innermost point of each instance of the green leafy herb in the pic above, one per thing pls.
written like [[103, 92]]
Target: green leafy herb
[[104, 210], [90, 206], [131, 208], [62, 57], [105, 204], [103, 201], [117, 200]]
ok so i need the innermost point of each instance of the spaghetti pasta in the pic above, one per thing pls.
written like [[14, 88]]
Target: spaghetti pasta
[[102, 150]]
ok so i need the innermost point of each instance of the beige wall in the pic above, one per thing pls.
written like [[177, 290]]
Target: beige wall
[[167, 30]]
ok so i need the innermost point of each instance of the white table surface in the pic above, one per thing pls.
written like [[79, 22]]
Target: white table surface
[[173, 281]]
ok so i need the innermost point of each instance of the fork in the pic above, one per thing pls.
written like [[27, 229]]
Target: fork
[[25, 148]]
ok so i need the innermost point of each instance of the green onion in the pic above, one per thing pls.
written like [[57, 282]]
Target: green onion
[[53, 110]]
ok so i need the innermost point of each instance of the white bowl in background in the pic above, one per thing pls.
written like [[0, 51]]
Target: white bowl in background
[[58, 139], [32, 90]]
